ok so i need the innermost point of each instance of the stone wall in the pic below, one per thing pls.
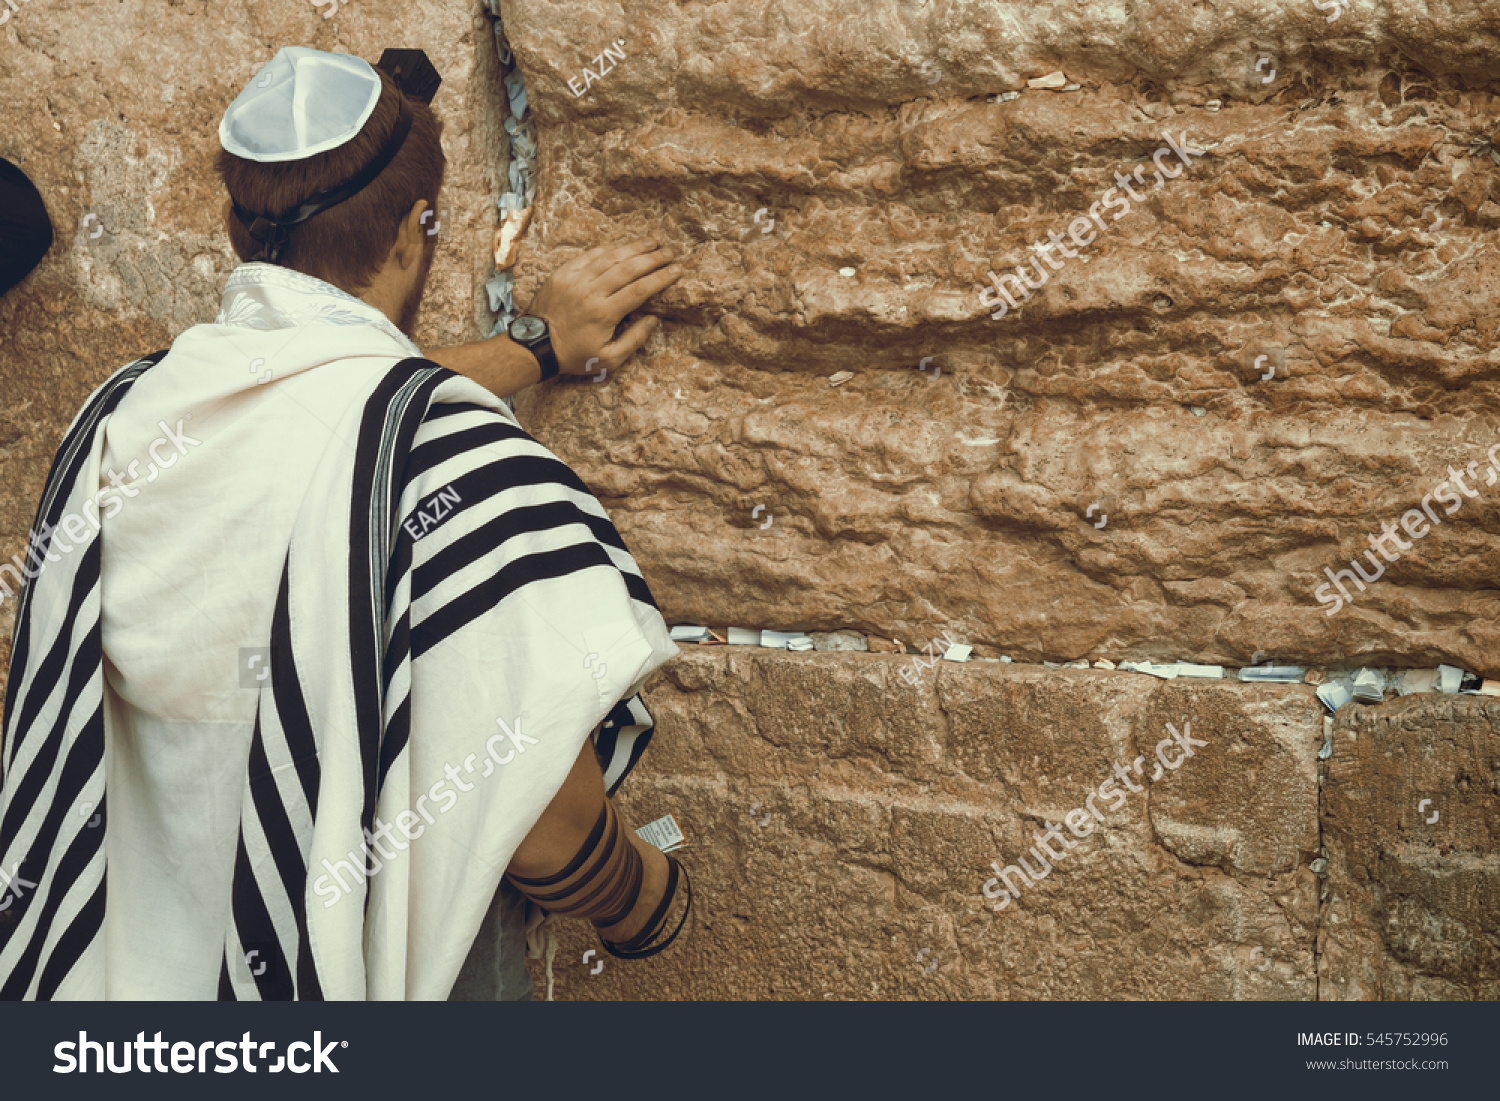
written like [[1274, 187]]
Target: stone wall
[[842, 179], [840, 826], [1339, 224]]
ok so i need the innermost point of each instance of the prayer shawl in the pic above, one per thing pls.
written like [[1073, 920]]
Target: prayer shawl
[[351, 608]]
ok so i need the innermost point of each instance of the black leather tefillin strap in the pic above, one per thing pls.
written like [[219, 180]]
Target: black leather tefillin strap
[[635, 948], [607, 889], [604, 882]]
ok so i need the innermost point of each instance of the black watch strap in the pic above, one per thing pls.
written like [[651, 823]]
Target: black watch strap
[[542, 349], [539, 345]]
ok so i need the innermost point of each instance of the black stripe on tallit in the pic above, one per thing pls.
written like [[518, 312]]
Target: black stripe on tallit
[[226, 984], [399, 647], [309, 986], [443, 448], [52, 666], [286, 691], [484, 482], [291, 866], [490, 536], [398, 728], [540, 468], [397, 731], [637, 748], [66, 466], [74, 942], [366, 635], [487, 595], [72, 865], [450, 408], [252, 921], [24, 797], [248, 901], [84, 759]]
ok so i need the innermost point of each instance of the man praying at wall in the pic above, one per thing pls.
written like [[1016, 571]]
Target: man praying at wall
[[326, 670]]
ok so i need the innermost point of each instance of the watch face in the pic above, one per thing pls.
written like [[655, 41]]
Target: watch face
[[527, 327]]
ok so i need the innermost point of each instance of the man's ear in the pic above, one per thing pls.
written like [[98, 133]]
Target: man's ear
[[411, 239]]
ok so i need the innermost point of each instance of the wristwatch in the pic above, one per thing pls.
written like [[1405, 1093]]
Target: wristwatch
[[533, 334]]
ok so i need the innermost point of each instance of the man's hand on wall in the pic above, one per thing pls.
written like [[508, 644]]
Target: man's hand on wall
[[585, 299]]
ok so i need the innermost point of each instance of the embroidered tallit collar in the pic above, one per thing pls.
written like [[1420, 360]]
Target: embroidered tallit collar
[[268, 296]]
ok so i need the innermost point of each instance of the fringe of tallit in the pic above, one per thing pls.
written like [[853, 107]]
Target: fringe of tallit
[[551, 951], [541, 939]]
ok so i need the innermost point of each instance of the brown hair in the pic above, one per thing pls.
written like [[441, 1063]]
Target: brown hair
[[346, 244]]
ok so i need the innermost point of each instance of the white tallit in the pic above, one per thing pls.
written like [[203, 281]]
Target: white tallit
[[429, 591]]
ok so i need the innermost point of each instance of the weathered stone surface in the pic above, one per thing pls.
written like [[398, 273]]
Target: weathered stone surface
[[887, 802], [1413, 906], [1337, 224], [906, 504]]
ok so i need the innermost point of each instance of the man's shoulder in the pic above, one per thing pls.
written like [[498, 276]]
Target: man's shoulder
[[466, 439], [109, 392]]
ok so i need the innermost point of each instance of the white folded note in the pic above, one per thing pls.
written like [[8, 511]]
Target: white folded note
[[663, 833], [1187, 669], [777, 640]]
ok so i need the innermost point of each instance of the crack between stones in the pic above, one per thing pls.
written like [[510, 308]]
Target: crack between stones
[[1317, 943]]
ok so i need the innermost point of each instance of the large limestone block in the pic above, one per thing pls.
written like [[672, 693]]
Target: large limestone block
[[1412, 825], [832, 840], [1337, 224]]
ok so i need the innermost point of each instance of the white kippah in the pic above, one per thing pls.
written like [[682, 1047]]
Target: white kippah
[[302, 102]]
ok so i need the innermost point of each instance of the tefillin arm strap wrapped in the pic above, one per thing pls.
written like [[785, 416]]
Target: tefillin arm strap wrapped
[[603, 883]]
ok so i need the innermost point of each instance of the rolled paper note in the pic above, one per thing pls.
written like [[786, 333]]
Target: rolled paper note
[[508, 237], [1274, 674]]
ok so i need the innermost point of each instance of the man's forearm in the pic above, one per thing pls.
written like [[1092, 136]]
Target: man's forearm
[[560, 836], [499, 364]]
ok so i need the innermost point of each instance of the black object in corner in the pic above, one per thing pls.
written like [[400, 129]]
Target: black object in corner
[[25, 229], [412, 72]]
